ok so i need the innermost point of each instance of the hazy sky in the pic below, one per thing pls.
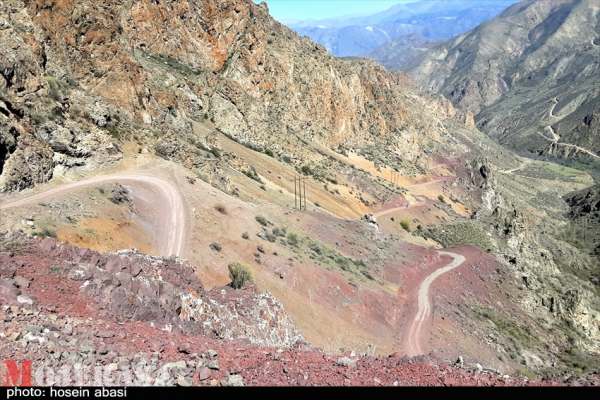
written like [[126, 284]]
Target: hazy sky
[[289, 10]]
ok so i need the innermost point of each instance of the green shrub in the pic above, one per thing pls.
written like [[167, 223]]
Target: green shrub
[[306, 170], [252, 174], [441, 198], [292, 239], [47, 232], [279, 232], [262, 220], [405, 225], [269, 152], [239, 275]]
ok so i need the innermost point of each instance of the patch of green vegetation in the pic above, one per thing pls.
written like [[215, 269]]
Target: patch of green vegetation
[[269, 152], [561, 170], [553, 171], [115, 132], [441, 198], [322, 171], [46, 231], [513, 331], [292, 239], [572, 358], [252, 174], [507, 327], [175, 65], [405, 224], [583, 233], [280, 232], [56, 88], [327, 257], [239, 274], [262, 220], [461, 233], [577, 361]]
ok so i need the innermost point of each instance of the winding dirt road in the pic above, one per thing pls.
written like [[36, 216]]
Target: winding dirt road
[[170, 221], [413, 341], [555, 140]]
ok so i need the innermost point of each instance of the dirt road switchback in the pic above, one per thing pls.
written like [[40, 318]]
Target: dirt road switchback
[[415, 334], [170, 219]]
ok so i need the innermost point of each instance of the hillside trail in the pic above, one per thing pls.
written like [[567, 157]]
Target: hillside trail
[[555, 139], [523, 164], [170, 216], [417, 203], [415, 337]]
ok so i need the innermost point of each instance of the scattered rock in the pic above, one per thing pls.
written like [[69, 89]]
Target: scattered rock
[[24, 300], [459, 361], [213, 364], [233, 380], [203, 373], [184, 381], [346, 362], [120, 195]]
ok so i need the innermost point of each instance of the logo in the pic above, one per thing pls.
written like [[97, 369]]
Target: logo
[[13, 373]]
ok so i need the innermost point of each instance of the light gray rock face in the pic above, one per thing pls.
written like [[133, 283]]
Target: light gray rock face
[[530, 76]]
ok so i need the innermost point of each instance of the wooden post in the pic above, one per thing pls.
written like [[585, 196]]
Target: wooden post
[[304, 184]]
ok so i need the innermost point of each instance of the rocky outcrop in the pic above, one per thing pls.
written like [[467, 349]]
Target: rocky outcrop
[[134, 287], [540, 258], [584, 202], [89, 75], [30, 163], [48, 124]]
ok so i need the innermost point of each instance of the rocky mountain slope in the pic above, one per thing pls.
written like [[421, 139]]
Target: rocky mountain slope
[[228, 106], [253, 77], [375, 35], [404, 53], [529, 76]]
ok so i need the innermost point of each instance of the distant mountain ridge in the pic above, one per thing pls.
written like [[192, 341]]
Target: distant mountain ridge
[[434, 20]]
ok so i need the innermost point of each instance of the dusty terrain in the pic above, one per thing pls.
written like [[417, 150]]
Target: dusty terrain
[[77, 325], [178, 128]]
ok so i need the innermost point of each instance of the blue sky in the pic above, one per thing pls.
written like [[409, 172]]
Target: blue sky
[[290, 10]]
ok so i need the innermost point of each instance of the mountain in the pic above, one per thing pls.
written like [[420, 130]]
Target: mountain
[[192, 184], [404, 53], [434, 20], [530, 76]]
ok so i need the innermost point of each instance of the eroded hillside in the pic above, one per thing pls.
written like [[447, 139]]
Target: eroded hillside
[[178, 128], [530, 76]]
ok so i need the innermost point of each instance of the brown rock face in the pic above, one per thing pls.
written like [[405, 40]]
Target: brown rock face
[[108, 70]]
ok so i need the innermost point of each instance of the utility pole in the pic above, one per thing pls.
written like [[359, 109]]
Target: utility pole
[[300, 192]]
